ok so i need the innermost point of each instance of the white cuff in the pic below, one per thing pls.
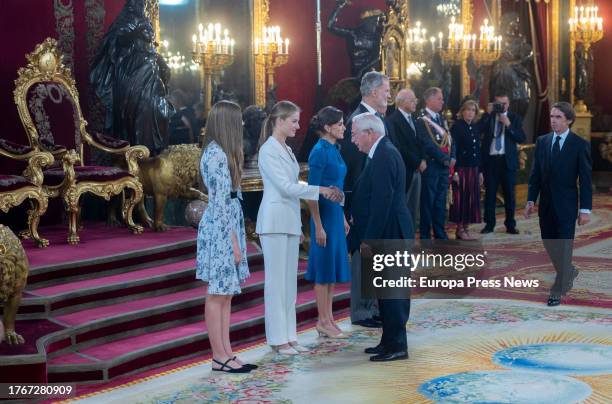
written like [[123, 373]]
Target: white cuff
[[587, 211]]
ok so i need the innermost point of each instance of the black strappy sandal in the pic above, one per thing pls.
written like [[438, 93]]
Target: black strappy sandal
[[247, 365], [224, 366]]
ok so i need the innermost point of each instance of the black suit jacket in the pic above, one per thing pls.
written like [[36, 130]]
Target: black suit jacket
[[514, 135], [352, 157], [379, 199], [405, 139], [555, 181]]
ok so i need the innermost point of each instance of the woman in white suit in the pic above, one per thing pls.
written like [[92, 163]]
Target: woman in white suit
[[279, 224]]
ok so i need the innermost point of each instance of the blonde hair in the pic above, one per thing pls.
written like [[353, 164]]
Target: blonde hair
[[224, 126], [466, 104], [282, 110]]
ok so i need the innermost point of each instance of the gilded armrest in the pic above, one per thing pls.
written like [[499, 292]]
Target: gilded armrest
[[132, 155], [15, 151], [34, 172], [106, 143]]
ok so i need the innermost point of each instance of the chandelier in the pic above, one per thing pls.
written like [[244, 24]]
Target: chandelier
[[449, 8]]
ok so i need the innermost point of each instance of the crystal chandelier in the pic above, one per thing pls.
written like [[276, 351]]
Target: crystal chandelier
[[449, 8]]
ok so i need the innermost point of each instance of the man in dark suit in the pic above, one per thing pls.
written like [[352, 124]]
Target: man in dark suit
[[379, 212], [432, 131], [375, 92], [560, 159], [503, 130], [402, 132]]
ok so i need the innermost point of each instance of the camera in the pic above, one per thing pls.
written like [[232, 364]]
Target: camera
[[498, 108]]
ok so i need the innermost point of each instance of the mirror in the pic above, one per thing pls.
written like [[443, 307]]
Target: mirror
[[178, 21]]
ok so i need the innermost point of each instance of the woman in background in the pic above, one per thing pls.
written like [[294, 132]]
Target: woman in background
[[467, 178], [279, 224], [221, 244], [328, 258]]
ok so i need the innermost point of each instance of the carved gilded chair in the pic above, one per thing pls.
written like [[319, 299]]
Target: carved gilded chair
[[15, 189], [48, 105]]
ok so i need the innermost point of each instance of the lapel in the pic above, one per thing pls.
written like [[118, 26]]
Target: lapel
[[547, 150], [284, 156], [404, 123]]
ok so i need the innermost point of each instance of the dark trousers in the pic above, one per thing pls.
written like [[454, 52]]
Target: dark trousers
[[434, 189], [496, 173], [558, 239], [394, 314]]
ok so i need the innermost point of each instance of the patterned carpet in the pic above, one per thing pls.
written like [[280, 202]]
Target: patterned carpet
[[469, 351], [510, 350]]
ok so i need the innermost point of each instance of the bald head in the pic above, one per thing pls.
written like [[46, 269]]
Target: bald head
[[406, 100]]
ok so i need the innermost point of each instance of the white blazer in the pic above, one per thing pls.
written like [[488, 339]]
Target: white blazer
[[279, 211]]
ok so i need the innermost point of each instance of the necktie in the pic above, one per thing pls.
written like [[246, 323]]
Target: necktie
[[556, 149], [498, 133], [410, 122]]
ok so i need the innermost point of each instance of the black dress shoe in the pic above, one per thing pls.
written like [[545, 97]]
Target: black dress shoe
[[389, 356], [512, 231], [369, 323], [554, 300], [486, 230], [376, 350]]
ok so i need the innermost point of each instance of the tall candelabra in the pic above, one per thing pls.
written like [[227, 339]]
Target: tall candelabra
[[417, 47], [459, 44], [271, 51], [213, 52], [586, 28], [489, 46]]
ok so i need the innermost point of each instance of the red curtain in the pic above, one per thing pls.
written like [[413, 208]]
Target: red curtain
[[538, 22]]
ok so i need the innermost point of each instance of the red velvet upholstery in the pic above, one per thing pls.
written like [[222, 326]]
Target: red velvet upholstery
[[109, 141], [55, 176], [13, 182], [15, 148], [54, 114]]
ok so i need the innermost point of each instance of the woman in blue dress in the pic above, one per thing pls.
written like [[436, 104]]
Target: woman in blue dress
[[221, 245], [328, 258]]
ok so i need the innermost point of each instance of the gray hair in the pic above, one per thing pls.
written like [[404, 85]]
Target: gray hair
[[430, 92], [370, 81], [402, 96], [368, 120]]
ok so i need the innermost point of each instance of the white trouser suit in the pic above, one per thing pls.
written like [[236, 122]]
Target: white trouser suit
[[279, 226]]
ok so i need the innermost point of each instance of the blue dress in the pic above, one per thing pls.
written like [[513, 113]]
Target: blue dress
[[329, 264], [223, 215]]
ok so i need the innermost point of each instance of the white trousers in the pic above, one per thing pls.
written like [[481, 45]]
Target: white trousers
[[281, 253]]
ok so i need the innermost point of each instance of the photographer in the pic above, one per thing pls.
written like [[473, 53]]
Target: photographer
[[503, 130]]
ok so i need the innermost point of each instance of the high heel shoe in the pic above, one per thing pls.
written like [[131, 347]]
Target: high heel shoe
[[285, 351], [326, 333], [299, 348]]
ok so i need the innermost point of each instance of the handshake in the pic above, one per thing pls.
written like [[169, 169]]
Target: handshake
[[332, 193]]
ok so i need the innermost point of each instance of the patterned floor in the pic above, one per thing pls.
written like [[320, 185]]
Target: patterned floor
[[467, 351]]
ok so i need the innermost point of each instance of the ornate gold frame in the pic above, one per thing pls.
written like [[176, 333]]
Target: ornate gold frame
[[45, 64], [261, 16]]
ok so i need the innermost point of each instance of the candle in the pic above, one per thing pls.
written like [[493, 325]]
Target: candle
[[581, 12], [440, 35], [217, 31], [194, 39], [287, 46], [600, 24], [433, 43]]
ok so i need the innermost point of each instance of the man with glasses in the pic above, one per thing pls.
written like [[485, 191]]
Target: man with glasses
[[402, 132]]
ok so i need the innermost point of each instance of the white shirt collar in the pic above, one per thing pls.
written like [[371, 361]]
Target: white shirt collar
[[374, 146], [430, 112], [563, 135], [406, 114], [369, 108]]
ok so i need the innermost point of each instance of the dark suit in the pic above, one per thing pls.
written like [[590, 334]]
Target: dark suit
[[435, 183], [352, 157], [554, 181], [501, 170], [379, 212]]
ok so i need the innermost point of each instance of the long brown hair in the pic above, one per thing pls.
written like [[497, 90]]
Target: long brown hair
[[224, 126], [282, 109]]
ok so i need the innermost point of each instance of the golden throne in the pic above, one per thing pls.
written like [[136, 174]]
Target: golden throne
[[48, 105], [14, 189]]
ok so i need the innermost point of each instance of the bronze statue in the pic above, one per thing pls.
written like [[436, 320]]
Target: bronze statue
[[363, 41], [511, 74], [584, 59], [14, 270], [131, 79]]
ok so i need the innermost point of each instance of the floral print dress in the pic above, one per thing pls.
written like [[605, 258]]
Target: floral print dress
[[215, 255]]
